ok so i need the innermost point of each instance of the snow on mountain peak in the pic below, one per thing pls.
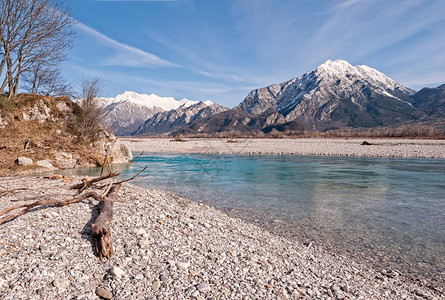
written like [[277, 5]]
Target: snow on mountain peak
[[344, 71], [152, 101], [338, 65]]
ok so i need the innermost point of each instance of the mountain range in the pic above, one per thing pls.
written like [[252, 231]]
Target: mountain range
[[167, 121], [125, 113], [336, 95]]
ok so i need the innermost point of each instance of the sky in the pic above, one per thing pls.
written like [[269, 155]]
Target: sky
[[220, 50]]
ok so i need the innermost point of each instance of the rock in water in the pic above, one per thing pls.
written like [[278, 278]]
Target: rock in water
[[117, 151]]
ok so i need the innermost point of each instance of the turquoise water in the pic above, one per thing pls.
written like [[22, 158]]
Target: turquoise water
[[387, 212]]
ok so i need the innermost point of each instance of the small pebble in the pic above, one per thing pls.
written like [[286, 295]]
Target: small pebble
[[103, 293], [117, 272], [182, 265], [61, 283], [203, 287], [156, 285]]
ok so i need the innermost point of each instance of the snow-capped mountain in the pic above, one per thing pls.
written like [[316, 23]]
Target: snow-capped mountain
[[167, 121], [336, 95], [125, 113]]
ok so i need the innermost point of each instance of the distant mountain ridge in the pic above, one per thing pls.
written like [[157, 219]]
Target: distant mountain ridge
[[126, 112], [167, 121]]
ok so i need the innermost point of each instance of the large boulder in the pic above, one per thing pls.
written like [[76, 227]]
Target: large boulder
[[120, 152], [117, 151], [64, 160]]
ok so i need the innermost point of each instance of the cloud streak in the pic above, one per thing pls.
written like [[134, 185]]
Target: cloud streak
[[199, 64], [125, 55]]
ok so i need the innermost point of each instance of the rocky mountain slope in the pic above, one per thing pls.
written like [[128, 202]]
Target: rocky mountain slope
[[431, 101], [168, 121], [237, 122], [125, 113], [336, 95]]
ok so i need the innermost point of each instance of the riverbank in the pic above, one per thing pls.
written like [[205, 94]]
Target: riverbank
[[318, 147], [171, 248]]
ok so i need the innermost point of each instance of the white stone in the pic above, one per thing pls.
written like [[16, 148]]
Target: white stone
[[182, 265], [117, 272], [45, 164], [141, 231], [144, 243], [203, 287], [23, 161], [61, 283]]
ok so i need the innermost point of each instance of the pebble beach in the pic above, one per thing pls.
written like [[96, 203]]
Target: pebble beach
[[167, 247]]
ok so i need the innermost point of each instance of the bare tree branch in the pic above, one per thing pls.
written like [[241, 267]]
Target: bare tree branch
[[48, 202], [32, 33]]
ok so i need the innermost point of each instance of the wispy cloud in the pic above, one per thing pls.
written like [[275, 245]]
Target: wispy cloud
[[124, 54], [198, 63], [357, 30], [229, 77], [347, 3]]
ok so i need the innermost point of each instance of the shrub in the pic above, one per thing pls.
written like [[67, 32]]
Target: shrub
[[87, 123]]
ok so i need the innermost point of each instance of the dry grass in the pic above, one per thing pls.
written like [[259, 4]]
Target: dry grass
[[43, 139]]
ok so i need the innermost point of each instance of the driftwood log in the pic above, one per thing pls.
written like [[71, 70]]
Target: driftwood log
[[44, 203], [101, 227]]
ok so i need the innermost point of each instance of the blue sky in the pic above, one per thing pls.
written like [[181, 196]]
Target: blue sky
[[220, 50]]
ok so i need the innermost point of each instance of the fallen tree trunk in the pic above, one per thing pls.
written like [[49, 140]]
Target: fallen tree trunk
[[101, 227]]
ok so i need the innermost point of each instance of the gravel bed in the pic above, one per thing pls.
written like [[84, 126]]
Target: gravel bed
[[318, 147], [167, 247]]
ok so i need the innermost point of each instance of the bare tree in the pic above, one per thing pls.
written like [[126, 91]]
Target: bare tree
[[89, 121], [32, 32], [47, 81]]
